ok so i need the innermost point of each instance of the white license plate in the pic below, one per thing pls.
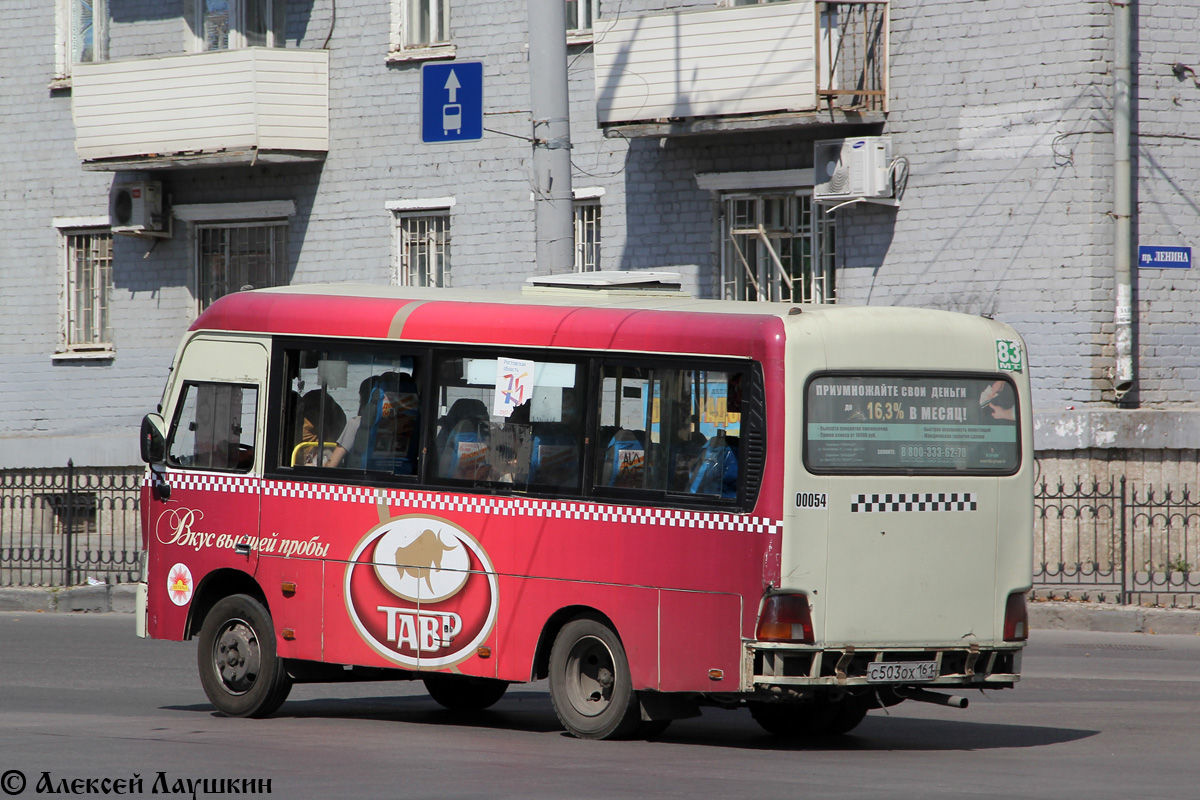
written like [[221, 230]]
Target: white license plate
[[901, 671]]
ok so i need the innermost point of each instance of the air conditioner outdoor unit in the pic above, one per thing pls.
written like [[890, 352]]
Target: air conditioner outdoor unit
[[848, 169], [137, 208]]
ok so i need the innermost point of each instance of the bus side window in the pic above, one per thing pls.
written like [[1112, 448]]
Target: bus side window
[[354, 408], [508, 420], [214, 428], [669, 429]]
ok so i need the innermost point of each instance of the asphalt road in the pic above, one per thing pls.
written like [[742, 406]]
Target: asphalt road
[[1098, 716]]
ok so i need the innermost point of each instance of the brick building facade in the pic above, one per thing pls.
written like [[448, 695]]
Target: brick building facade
[[999, 116]]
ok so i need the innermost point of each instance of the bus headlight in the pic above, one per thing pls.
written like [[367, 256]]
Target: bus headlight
[[785, 618]]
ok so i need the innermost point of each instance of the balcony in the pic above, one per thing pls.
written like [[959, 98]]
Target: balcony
[[226, 107], [743, 68]]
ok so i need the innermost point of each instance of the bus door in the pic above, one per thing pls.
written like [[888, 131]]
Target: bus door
[[203, 510]]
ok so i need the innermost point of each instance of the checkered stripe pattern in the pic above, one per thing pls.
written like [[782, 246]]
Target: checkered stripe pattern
[[476, 504], [211, 482], [929, 501]]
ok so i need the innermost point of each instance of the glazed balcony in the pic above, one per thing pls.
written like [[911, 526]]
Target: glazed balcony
[[739, 68], [224, 107]]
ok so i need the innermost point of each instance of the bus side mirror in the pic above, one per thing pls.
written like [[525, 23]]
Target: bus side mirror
[[153, 439]]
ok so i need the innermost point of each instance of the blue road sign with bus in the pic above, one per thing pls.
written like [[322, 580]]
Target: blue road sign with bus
[[452, 101], [1151, 257]]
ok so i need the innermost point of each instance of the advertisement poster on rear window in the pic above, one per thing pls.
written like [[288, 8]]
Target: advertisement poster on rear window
[[906, 423]]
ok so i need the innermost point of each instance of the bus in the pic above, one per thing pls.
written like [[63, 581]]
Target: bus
[[656, 502]]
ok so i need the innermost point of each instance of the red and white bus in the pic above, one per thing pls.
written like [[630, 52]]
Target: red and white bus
[[654, 501]]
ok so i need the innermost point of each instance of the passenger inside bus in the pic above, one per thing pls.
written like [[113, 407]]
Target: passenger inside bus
[[716, 472], [321, 420], [462, 440], [685, 447], [383, 437]]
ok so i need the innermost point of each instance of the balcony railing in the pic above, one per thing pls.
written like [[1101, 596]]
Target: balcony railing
[[852, 55], [259, 104], [769, 65]]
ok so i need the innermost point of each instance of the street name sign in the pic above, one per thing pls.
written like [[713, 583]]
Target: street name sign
[[1164, 257]]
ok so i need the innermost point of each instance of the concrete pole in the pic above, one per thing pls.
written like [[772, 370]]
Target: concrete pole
[[554, 218], [1123, 34]]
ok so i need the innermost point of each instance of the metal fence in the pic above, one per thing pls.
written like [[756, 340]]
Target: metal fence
[[1116, 542], [1108, 542], [65, 527]]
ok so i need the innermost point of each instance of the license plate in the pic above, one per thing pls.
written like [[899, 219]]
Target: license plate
[[901, 671]]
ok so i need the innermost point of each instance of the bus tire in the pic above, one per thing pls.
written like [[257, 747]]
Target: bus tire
[[240, 669], [590, 685], [816, 718], [463, 693]]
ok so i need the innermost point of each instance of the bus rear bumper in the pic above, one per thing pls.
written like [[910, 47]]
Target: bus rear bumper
[[973, 666]]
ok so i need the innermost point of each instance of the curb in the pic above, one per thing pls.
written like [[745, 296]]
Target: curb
[[1073, 616], [120, 598]]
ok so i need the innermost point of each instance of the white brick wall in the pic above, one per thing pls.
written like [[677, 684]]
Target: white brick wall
[[1000, 107]]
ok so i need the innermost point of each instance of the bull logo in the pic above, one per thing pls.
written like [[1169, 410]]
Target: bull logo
[[423, 557], [420, 560], [422, 592]]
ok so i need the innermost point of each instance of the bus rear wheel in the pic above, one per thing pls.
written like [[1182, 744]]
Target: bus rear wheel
[[462, 693], [819, 717], [239, 668], [590, 685]]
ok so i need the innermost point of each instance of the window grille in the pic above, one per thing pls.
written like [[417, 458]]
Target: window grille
[[423, 246], [587, 236], [777, 247], [89, 284], [232, 257]]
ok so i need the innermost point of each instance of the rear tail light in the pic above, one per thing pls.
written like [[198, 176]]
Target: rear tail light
[[1016, 618], [786, 618]]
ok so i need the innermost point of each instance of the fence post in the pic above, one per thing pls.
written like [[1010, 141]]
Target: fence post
[[1126, 590], [69, 526]]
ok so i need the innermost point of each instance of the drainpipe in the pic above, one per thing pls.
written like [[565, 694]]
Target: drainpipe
[[1123, 375], [554, 217]]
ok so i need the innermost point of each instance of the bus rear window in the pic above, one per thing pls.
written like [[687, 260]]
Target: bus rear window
[[892, 423]]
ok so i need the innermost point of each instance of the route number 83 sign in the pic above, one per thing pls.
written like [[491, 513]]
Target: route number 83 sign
[[1008, 355]]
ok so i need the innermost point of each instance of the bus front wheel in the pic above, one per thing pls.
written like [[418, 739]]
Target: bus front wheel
[[239, 668], [590, 685]]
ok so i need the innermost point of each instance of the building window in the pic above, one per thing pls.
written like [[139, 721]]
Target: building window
[[587, 235], [423, 248], [232, 24], [422, 23], [581, 14], [82, 34], [88, 288], [236, 256], [777, 247]]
